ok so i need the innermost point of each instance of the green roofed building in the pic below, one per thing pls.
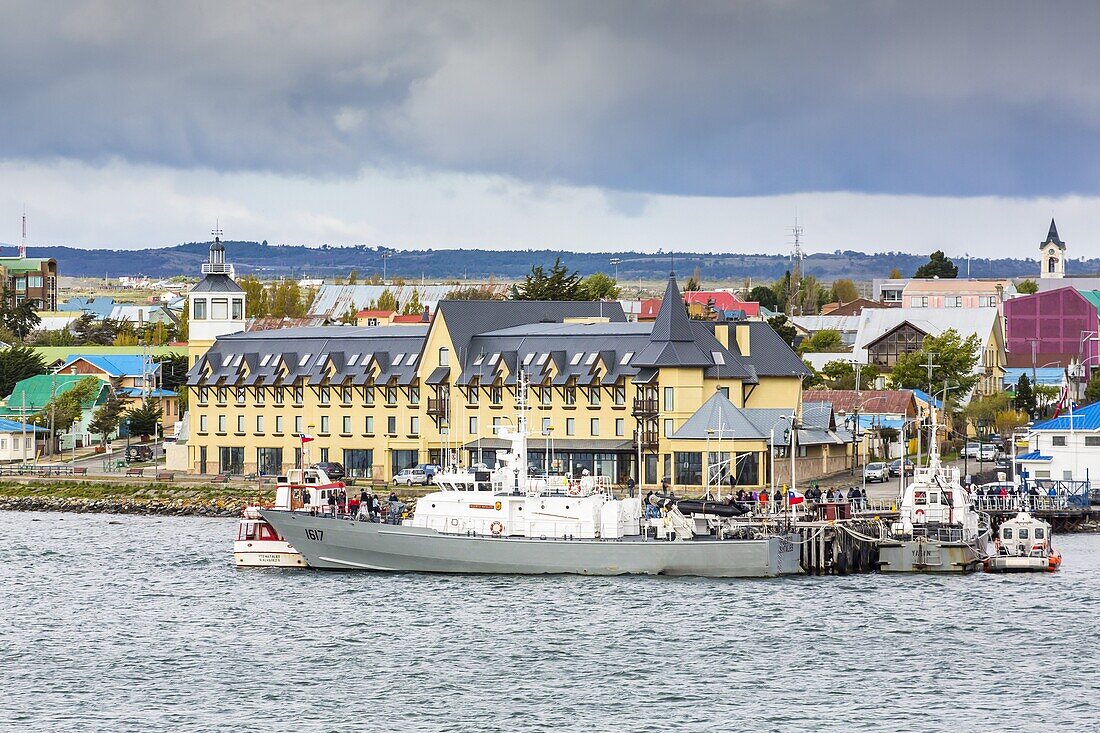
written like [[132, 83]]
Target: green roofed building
[[31, 395]]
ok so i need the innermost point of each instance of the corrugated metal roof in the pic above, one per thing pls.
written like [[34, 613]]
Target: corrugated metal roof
[[1033, 456], [1084, 418], [877, 322], [14, 426]]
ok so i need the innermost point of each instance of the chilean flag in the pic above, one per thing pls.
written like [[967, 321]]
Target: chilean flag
[[306, 438], [1063, 400]]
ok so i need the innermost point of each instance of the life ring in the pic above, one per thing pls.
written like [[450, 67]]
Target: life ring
[[920, 514], [497, 528], [574, 489]]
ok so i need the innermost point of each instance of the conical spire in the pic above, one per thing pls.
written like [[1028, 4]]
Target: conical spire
[[672, 322], [1052, 234]]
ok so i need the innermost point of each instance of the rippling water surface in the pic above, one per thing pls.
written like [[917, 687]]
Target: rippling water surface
[[136, 623]]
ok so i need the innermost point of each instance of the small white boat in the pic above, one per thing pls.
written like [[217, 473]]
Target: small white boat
[[258, 544], [1023, 546]]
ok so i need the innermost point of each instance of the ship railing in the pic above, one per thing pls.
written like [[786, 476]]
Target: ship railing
[[940, 534]]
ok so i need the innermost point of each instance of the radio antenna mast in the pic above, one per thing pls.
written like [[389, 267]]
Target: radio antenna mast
[[794, 304], [23, 245]]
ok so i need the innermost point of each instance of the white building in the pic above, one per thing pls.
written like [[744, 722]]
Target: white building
[[217, 304], [1064, 448], [17, 441]]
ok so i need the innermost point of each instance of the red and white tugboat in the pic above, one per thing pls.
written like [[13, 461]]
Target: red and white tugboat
[[258, 545]]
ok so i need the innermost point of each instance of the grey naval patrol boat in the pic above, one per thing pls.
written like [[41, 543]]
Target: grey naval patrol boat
[[504, 521], [938, 529]]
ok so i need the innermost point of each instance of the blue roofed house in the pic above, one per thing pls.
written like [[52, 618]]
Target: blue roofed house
[[1064, 448], [31, 395], [133, 377], [19, 441]]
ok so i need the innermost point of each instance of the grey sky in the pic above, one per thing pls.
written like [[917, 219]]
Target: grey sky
[[633, 99]]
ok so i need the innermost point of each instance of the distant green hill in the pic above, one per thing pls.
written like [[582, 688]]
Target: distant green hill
[[457, 264]]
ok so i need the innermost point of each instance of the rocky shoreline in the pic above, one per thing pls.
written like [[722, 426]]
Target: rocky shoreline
[[149, 507]]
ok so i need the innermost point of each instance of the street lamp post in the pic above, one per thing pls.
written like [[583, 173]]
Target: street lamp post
[[75, 424], [615, 263]]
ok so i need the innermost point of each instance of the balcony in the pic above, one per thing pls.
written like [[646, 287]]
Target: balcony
[[438, 407], [646, 439], [645, 407]]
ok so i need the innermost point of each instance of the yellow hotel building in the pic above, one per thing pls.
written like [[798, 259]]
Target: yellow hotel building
[[682, 395]]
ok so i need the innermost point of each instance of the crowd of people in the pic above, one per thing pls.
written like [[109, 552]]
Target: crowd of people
[[366, 507]]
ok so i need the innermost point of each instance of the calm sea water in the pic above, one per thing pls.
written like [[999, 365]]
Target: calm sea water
[[134, 623]]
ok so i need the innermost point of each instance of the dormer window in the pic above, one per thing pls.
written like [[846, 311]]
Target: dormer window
[[199, 310]]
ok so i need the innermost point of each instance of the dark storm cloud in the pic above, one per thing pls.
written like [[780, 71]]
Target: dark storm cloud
[[683, 98]]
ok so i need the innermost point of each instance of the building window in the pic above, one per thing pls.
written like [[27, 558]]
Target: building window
[[620, 427], [444, 356], [1092, 440], [473, 425], [345, 396], [496, 394], [199, 310], [668, 428], [414, 395], [324, 424], [368, 425], [689, 468], [238, 309], [202, 423], [414, 425], [953, 301], [570, 426], [220, 395], [346, 425], [570, 396], [279, 395], [269, 461], [620, 395], [594, 397], [391, 425], [299, 396], [259, 423], [748, 469], [279, 424], [546, 426], [259, 395], [670, 399], [222, 423], [297, 424], [545, 395], [326, 395], [219, 309], [239, 395], [1058, 440], [358, 462], [594, 427], [240, 423], [368, 396], [987, 301], [204, 395], [391, 396]]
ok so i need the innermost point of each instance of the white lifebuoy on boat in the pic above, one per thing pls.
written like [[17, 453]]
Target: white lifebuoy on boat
[[574, 488], [920, 514], [497, 528]]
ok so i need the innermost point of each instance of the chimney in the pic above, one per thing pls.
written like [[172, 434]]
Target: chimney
[[722, 333], [741, 331], [427, 315]]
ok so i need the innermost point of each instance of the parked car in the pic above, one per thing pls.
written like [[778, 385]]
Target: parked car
[[412, 477], [332, 469], [876, 472], [139, 453], [988, 453], [895, 467], [972, 450]]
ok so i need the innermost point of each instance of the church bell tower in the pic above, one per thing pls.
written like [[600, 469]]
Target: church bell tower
[[1052, 255]]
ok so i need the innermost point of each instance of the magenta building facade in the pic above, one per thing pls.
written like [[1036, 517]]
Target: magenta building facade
[[1059, 322]]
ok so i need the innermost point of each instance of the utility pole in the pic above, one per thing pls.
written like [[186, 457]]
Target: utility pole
[[794, 305], [858, 367]]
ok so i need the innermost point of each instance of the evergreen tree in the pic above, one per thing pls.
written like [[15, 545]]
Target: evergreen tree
[[21, 318], [937, 266], [144, 418], [105, 420], [17, 363], [558, 284], [783, 327], [350, 317], [413, 306], [765, 296], [1025, 395], [842, 375], [386, 301], [1027, 287]]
